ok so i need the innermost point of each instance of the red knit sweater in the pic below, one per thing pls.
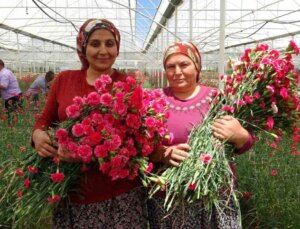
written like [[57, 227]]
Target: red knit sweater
[[96, 186]]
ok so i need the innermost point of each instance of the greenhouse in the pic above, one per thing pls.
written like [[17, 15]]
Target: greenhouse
[[39, 37]]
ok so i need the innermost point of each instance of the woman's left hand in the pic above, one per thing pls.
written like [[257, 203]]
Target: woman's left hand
[[65, 155], [230, 129]]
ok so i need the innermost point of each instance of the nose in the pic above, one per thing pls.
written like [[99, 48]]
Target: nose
[[102, 49], [177, 69]]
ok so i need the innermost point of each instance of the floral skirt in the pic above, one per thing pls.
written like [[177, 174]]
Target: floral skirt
[[128, 210], [192, 216]]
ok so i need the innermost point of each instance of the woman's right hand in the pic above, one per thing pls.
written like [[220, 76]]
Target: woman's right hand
[[43, 144], [173, 155]]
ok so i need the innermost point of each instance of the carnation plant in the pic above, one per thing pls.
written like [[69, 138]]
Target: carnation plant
[[262, 93], [111, 131]]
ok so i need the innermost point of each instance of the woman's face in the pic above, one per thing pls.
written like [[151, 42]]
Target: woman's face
[[101, 50], [181, 73]]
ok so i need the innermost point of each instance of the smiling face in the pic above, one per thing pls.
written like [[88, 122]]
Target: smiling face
[[181, 73], [101, 50]]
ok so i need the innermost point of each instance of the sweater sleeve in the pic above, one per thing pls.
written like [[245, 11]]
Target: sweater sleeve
[[246, 146]]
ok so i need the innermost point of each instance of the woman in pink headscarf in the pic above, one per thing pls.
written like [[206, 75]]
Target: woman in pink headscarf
[[99, 202], [188, 103]]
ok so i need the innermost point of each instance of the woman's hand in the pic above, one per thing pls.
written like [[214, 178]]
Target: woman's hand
[[171, 155], [43, 144], [230, 129], [65, 155]]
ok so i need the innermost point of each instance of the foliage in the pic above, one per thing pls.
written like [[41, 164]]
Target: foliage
[[268, 178]]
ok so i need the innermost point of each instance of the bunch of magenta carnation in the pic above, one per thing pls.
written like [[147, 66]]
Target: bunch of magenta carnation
[[262, 92], [112, 131]]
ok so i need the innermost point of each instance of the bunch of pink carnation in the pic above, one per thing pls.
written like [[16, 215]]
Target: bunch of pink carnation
[[263, 94], [115, 128]]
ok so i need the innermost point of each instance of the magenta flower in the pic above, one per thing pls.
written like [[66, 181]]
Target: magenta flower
[[106, 99], [149, 168], [205, 158], [32, 169], [228, 108], [57, 177], [54, 199], [284, 93], [78, 130], [73, 111], [19, 172], [270, 123]]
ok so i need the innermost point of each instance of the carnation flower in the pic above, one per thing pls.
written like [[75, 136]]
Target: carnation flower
[[57, 177]]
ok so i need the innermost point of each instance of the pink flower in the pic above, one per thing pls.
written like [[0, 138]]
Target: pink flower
[[228, 108], [248, 99], [19, 172], [56, 160], [133, 121], [54, 199], [73, 111], [205, 158], [62, 135], [150, 122], [295, 153], [101, 151], [293, 47], [240, 102], [274, 172], [147, 149], [192, 186], [270, 89], [284, 93], [149, 168], [94, 99], [57, 177], [22, 148], [270, 123], [85, 153], [247, 195], [136, 98], [78, 101], [106, 99], [27, 183], [105, 79], [31, 169], [78, 130], [95, 138], [115, 142]]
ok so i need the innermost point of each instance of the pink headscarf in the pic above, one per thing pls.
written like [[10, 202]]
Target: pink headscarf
[[185, 48], [86, 30]]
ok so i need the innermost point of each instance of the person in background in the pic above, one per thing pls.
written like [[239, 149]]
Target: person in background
[[10, 90], [189, 102], [40, 85], [100, 202]]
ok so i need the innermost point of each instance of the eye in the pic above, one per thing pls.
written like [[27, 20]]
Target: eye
[[94, 43], [110, 43], [170, 66], [184, 64]]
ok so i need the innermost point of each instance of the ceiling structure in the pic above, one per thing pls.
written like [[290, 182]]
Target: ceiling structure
[[40, 34]]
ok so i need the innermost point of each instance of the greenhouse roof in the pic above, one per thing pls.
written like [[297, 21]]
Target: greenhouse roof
[[147, 27]]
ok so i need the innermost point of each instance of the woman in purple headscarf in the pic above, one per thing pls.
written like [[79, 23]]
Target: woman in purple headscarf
[[99, 202], [188, 103]]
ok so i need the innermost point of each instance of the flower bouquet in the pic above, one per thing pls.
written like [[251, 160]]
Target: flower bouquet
[[113, 131], [262, 93]]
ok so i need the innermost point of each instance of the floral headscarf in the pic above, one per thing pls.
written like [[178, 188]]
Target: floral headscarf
[[185, 48], [86, 30]]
